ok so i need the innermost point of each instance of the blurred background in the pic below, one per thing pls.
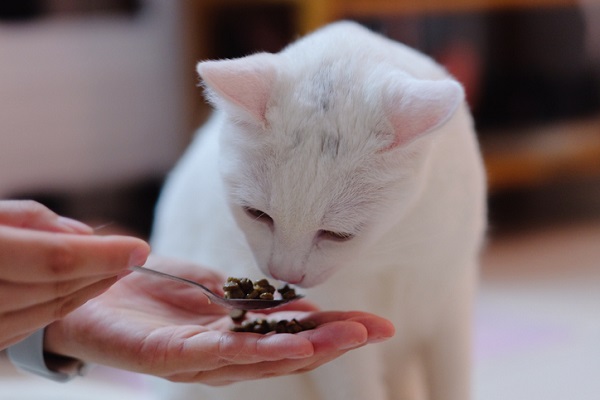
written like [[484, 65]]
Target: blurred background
[[98, 99]]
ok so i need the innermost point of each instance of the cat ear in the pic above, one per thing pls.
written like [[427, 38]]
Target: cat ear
[[245, 83], [417, 107]]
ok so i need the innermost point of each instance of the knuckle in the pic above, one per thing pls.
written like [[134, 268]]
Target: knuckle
[[62, 288], [270, 374], [33, 210], [64, 307], [182, 378], [61, 260], [304, 370], [209, 378]]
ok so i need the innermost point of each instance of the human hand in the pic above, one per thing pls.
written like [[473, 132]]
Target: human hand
[[153, 326], [50, 265]]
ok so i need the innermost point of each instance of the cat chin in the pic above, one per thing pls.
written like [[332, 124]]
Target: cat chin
[[308, 284]]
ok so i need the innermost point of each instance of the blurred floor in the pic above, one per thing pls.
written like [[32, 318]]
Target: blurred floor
[[100, 384], [537, 326]]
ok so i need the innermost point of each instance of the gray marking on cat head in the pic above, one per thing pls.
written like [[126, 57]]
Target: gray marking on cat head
[[297, 137], [330, 144], [325, 87]]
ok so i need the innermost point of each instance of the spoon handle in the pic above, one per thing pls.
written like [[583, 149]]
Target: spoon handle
[[171, 277]]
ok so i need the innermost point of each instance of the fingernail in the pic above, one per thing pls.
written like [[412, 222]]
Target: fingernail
[[379, 339], [74, 225], [353, 345], [138, 257], [301, 355]]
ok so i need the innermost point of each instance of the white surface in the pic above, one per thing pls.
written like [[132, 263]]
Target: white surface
[[100, 383], [538, 331], [24, 390], [90, 100]]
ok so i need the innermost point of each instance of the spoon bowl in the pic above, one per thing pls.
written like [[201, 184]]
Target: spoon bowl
[[239, 304]]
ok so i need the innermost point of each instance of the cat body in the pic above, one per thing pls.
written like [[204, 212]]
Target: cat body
[[347, 165]]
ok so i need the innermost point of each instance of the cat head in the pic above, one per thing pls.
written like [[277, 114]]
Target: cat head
[[319, 161]]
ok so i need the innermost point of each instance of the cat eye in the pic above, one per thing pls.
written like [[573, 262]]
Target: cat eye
[[335, 236], [258, 215]]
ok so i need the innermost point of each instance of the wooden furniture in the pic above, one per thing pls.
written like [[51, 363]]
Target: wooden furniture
[[315, 13], [543, 155]]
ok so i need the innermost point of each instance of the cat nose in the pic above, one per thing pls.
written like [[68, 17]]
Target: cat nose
[[294, 281], [290, 278]]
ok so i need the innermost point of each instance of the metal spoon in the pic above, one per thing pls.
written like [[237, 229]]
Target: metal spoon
[[240, 304]]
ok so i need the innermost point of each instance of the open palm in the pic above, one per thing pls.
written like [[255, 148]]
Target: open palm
[[154, 326]]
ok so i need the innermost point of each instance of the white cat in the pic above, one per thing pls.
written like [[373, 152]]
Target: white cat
[[350, 162]]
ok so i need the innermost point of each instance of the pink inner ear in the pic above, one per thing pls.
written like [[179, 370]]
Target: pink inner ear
[[418, 107], [246, 82]]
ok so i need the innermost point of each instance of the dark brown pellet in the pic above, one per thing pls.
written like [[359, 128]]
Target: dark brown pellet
[[237, 315], [244, 288], [287, 292], [263, 326]]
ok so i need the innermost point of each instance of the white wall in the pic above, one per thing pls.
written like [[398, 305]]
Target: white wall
[[91, 101]]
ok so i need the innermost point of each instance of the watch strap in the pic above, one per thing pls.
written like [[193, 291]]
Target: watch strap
[[29, 356]]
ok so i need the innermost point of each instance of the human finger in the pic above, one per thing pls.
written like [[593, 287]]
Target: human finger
[[378, 328], [35, 256], [212, 350], [33, 215], [337, 333], [328, 341], [335, 330], [298, 305], [29, 319], [16, 296]]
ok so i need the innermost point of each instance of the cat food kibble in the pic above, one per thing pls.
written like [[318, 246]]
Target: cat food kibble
[[264, 326], [244, 288], [287, 292], [237, 315]]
